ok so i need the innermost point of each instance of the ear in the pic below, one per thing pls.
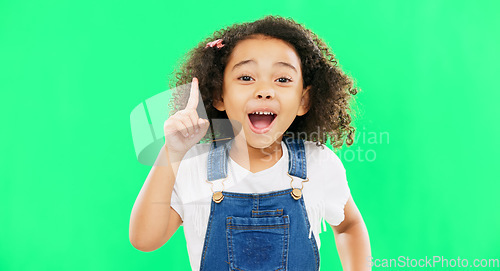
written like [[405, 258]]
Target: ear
[[304, 102], [219, 104]]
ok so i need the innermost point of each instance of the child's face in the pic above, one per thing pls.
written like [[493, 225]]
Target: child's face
[[263, 75]]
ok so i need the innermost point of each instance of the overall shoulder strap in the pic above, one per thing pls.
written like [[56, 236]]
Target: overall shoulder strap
[[219, 153], [217, 159], [297, 165]]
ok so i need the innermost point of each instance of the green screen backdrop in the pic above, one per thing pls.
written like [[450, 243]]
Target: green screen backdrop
[[423, 170]]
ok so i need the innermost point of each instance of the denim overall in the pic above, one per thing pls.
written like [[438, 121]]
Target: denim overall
[[267, 231]]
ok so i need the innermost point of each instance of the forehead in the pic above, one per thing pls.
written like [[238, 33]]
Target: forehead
[[264, 49]]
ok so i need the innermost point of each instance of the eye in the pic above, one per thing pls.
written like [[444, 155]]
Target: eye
[[245, 78], [284, 79]]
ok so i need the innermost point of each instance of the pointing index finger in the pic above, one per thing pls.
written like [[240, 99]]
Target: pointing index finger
[[193, 95]]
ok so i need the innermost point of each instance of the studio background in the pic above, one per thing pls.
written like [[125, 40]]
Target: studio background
[[423, 170]]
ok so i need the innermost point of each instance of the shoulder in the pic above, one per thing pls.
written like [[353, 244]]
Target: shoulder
[[187, 186], [322, 156], [333, 190], [194, 161], [192, 170], [197, 151], [195, 156]]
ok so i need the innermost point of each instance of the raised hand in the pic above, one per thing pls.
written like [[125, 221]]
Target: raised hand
[[185, 128]]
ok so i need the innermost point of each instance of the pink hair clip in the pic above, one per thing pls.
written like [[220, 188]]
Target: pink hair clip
[[217, 43]]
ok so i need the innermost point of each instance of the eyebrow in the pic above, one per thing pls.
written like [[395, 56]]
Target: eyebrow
[[251, 61]]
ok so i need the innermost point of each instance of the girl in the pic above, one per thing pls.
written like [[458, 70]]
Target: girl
[[253, 197]]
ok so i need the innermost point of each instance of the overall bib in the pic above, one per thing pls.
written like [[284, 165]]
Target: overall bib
[[266, 231]]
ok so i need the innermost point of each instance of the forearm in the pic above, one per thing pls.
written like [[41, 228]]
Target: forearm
[[353, 246], [150, 214]]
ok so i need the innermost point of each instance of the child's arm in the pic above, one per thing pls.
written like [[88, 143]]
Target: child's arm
[[351, 238], [153, 221]]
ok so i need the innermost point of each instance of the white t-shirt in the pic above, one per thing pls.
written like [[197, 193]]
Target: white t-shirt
[[325, 194]]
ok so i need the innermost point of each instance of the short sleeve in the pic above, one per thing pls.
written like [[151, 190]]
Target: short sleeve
[[336, 192], [176, 203]]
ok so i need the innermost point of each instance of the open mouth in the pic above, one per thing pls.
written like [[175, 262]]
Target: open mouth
[[261, 122]]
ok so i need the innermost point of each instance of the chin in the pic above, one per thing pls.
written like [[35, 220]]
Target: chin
[[261, 141]]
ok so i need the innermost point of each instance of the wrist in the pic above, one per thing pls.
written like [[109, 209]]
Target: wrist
[[174, 156]]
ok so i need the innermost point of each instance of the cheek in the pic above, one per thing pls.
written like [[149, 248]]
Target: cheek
[[291, 100]]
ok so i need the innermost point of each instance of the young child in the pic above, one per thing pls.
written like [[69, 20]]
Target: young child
[[254, 197]]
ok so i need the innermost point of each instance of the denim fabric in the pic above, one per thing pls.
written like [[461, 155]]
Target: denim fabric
[[217, 159], [297, 161], [259, 231]]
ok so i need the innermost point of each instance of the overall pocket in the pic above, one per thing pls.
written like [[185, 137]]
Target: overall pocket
[[257, 243]]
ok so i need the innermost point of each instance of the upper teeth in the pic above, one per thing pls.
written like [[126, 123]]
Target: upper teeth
[[263, 113]]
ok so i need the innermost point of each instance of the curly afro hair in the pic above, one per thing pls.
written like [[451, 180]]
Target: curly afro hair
[[331, 89]]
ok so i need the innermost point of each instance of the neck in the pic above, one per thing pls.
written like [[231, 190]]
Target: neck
[[255, 159]]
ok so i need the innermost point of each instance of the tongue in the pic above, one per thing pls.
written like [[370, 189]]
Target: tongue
[[260, 121]]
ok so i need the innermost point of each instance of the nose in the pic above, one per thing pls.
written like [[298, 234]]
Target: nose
[[264, 91]]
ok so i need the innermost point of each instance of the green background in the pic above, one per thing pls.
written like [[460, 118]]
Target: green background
[[72, 71]]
